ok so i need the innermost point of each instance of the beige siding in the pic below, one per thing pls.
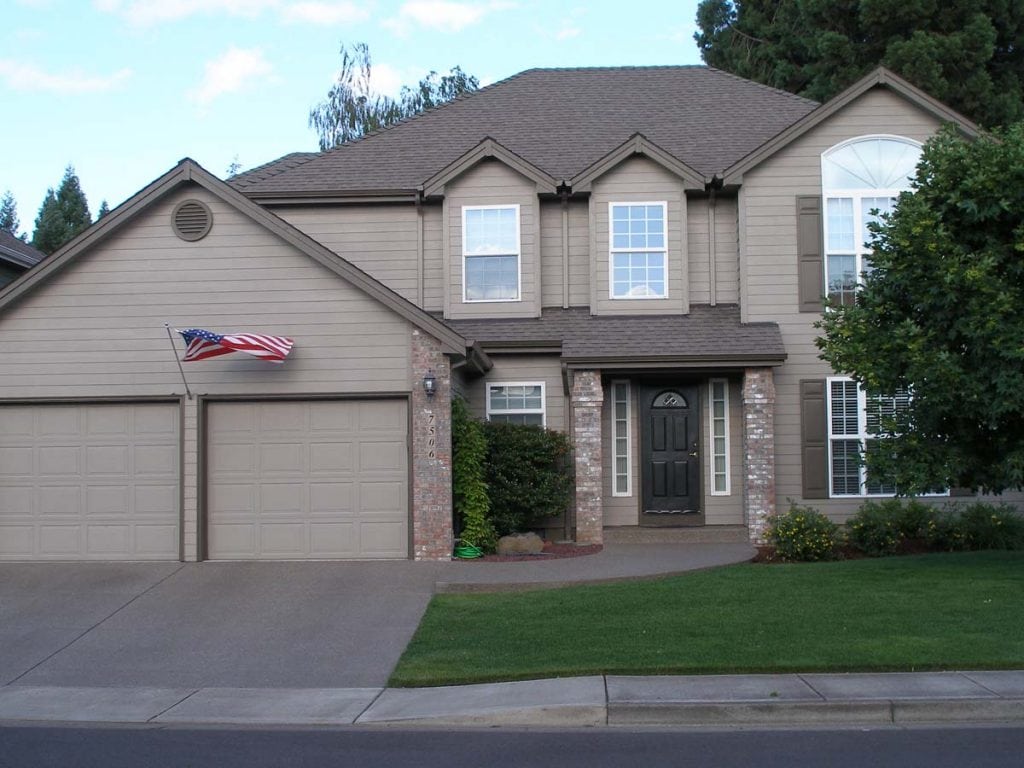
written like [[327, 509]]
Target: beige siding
[[523, 368], [639, 180], [552, 265], [698, 247], [727, 251], [379, 239], [579, 254], [97, 328], [552, 257], [493, 183], [769, 259], [433, 259]]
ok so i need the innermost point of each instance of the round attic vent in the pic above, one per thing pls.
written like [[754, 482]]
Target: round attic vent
[[192, 220]]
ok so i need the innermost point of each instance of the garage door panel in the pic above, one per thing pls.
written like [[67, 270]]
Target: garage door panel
[[382, 456], [91, 482], [326, 470], [283, 458]]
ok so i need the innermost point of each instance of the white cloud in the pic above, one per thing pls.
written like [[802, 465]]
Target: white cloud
[[567, 32], [235, 69], [146, 13], [386, 80], [442, 15], [324, 12], [25, 77]]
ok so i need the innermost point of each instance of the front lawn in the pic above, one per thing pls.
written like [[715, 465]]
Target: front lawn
[[945, 611]]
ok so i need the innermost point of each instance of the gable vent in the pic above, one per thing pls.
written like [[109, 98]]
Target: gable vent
[[192, 220]]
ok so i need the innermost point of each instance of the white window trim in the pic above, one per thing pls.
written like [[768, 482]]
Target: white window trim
[[612, 251], [615, 435], [513, 411], [860, 250], [518, 254], [711, 437]]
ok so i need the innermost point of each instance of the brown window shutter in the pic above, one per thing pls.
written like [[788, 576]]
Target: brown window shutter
[[810, 253], [813, 439]]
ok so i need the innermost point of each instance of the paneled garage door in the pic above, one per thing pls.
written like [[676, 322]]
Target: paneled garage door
[[89, 482], [321, 479]]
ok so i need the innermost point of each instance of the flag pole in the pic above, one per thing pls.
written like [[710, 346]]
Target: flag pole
[[174, 349]]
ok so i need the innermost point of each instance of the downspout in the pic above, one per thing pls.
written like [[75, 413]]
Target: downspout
[[564, 191], [420, 268], [712, 261]]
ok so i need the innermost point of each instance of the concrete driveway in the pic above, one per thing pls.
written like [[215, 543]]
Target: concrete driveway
[[321, 625]]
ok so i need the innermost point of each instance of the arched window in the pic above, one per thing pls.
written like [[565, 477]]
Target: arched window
[[859, 177]]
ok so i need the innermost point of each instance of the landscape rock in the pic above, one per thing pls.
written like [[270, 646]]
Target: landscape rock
[[520, 544]]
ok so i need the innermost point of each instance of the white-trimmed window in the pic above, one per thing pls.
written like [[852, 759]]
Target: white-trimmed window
[[860, 177], [854, 421], [516, 402], [491, 257], [718, 416], [622, 480], [638, 257]]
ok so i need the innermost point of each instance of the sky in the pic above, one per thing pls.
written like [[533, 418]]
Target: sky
[[123, 89]]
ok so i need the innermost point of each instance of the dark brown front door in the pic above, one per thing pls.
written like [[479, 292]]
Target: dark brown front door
[[670, 457]]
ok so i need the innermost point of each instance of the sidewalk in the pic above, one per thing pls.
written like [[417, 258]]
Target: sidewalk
[[714, 700]]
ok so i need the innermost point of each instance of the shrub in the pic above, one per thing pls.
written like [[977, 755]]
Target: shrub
[[945, 530], [913, 517], [469, 490], [803, 534], [875, 529], [992, 526], [528, 474]]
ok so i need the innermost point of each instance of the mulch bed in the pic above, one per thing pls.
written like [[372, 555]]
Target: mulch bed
[[552, 551]]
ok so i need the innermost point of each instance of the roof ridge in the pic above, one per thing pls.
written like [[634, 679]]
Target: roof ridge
[[278, 164], [773, 89]]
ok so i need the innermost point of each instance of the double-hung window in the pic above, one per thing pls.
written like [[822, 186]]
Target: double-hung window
[[516, 402], [861, 180], [491, 254], [638, 254], [855, 419]]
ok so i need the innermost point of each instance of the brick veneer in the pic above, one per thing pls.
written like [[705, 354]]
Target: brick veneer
[[432, 536], [587, 397], [758, 450]]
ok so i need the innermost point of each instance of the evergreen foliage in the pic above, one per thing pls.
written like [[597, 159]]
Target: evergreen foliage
[[966, 53], [9, 214], [103, 211], [352, 110], [469, 491], [940, 314], [62, 215]]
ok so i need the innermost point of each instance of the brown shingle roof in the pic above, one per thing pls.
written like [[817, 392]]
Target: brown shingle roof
[[17, 251], [560, 120], [707, 334]]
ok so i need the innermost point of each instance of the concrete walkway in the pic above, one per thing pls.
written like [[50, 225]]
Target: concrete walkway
[[718, 700]]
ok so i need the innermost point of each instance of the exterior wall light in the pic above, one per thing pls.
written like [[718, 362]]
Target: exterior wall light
[[430, 384]]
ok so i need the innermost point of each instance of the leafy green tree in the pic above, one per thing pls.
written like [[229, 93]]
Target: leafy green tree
[[942, 314], [9, 214], [62, 215], [966, 53], [352, 110]]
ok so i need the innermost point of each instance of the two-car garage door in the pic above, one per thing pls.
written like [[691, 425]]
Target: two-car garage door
[[283, 480]]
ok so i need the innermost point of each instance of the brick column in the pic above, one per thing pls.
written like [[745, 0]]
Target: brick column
[[587, 398], [432, 536], [758, 450]]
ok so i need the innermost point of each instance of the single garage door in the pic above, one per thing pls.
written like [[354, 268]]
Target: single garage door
[[318, 479], [89, 482]]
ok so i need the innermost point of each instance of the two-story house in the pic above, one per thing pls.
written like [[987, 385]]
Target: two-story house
[[636, 256]]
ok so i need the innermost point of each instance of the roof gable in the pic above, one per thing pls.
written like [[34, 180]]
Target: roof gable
[[17, 252], [487, 149], [189, 171], [638, 144], [879, 78]]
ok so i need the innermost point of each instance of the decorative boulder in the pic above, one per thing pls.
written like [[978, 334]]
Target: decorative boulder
[[520, 544]]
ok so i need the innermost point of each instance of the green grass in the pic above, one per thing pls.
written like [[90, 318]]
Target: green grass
[[942, 611]]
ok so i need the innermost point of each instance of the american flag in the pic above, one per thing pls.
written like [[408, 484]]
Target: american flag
[[205, 344]]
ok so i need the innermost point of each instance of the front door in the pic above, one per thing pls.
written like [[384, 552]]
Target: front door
[[670, 456]]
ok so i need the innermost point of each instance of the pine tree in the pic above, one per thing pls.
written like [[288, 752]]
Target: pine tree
[[62, 215], [9, 214], [103, 211]]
